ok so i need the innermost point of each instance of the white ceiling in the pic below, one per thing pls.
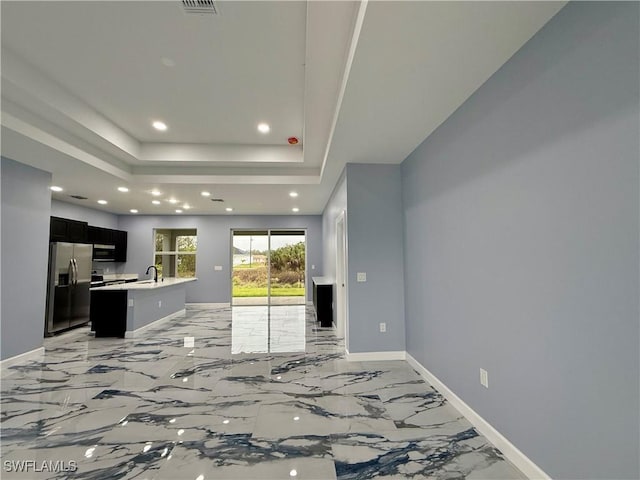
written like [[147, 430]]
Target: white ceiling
[[353, 81]]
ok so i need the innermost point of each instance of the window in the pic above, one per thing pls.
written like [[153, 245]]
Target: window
[[175, 252]]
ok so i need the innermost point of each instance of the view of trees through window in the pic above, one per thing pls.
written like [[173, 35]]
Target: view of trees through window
[[175, 252], [258, 271]]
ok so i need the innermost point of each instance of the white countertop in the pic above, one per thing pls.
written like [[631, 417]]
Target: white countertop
[[146, 284], [108, 277]]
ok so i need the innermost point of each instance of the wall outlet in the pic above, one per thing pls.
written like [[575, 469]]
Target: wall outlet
[[383, 327], [361, 276], [313, 267], [106, 270], [217, 268], [189, 342], [130, 302], [484, 378], [159, 303]]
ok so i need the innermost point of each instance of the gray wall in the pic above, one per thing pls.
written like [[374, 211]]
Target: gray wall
[[92, 216], [375, 247], [145, 308], [26, 202], [522, 249], [214, 247], [374, 230]]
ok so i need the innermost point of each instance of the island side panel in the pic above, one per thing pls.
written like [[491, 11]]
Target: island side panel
[[108, 313], [152, 305]]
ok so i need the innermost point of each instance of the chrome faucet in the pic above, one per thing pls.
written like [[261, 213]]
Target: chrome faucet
[[155, 274]]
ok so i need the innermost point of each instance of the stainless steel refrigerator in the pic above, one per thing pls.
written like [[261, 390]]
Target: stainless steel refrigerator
[[68, 295]]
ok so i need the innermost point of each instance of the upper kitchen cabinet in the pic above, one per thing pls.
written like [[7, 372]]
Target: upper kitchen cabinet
[[120, 241], [101, 236], [66, 230]]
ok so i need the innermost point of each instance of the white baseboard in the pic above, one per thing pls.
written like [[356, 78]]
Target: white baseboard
[[374, 356], [510, 451], [136, 333], [22, 358], [208, 305]]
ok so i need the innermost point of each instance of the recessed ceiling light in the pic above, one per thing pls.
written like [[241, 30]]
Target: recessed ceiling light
[[156, 202], [293, 194], [293, 473], [133, 210], [55, 188], [205, 194], [156, 193], [102, 202], [229, 209], [158, 125], [263, 128], [123, 189], [178, 211], [186, 206], [295, 209], [173, 200]]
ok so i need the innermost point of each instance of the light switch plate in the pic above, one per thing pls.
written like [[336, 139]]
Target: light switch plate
[[362, 277], [484, 378], [189, 342], [130, 302], [217, 268]]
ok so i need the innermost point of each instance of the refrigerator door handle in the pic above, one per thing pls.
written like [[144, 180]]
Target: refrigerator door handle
[[75, 271], [70, 272]]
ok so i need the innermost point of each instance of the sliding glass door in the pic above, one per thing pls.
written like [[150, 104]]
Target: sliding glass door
[[268, 267], [287, 267]]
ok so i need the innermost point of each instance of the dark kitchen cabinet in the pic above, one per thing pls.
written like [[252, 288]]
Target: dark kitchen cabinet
[[109, 312], [323, 300], [66, 230], [101, 236], [120, 241]]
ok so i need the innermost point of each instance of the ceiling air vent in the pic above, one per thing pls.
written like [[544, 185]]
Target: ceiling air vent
[[78, 197], [217, 200], [200, 6]]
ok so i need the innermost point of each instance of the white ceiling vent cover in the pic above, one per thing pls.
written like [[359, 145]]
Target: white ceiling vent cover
[[200, 6]]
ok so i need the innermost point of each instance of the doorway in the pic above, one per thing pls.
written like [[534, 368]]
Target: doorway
[[269, 267], [341, 278]]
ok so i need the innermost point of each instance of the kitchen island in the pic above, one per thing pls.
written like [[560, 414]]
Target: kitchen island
[[123, 310]]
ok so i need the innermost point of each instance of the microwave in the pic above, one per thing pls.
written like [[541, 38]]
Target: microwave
[[104, 253]]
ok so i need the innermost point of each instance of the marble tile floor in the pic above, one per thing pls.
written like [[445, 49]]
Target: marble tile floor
[[151, 408]]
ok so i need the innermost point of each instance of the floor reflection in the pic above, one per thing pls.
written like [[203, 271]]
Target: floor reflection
[[265, 329]]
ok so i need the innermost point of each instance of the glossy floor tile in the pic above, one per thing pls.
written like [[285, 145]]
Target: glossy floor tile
[[263, 393]]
